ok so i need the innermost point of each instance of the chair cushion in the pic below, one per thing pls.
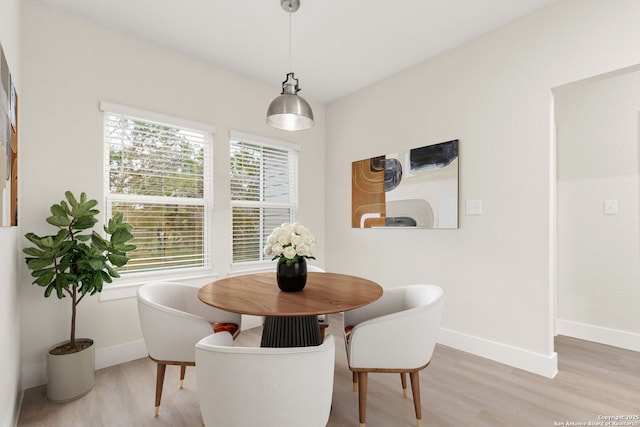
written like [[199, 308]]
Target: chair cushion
[[347, 332], [224, 327]]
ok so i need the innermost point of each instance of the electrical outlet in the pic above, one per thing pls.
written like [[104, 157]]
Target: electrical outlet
[[473, 207], [610, 207]]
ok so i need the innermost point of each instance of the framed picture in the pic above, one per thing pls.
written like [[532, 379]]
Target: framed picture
[[414, 188], [8, 146]]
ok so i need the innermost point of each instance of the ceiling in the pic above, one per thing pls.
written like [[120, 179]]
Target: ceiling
[[338, 47]]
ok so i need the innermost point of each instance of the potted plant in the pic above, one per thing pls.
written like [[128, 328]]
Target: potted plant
[[74, 263]]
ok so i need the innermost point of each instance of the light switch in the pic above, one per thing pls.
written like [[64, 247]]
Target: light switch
[[610, 207], [473, 207]]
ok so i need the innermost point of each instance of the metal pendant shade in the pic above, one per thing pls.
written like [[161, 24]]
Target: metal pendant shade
[[290, 111]]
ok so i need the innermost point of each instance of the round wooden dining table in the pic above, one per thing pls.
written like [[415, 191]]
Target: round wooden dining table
[[291, 318]]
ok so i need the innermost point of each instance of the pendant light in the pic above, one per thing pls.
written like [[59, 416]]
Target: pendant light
[[289, 111]]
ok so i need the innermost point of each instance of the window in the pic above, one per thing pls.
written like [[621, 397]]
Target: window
[[158, 174], [264, 192]]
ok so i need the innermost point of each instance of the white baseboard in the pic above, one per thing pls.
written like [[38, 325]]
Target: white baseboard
[[541, 364], [36, 374], [122, 353], [16, 411], [613, 337]]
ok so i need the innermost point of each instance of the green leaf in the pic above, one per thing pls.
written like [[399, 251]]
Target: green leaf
[[57, 210], [50, 288], [45, 279], [121, 236], [117, 219], [62, 235], [61, 281], [48, 242], [33, 238], [118, 260], [42, 272], [97, 281], [71, 198], [38, 263], [34, 252], [106, 277], [84, 222], [89, 204], [111, 272], [86, 286], [99, 242], [59, 221], [96, 264], [115, 223], [65, 207]]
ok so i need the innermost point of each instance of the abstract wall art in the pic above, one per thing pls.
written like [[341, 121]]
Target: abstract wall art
[[414, 188], [8, 146]]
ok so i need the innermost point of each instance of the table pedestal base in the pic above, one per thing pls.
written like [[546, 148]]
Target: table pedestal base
[[294, 331]]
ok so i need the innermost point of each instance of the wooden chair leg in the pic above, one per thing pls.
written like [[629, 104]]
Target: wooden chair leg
[[354, 376], [159, 382], [322, 329], [183, 370], [403, 380], [415, 389], [362, 397]]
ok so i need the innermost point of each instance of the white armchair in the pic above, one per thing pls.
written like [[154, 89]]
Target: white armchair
[[267, 387], [396, 333], [173, 320]]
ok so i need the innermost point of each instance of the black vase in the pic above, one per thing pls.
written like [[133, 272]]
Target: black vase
[[291, 278]]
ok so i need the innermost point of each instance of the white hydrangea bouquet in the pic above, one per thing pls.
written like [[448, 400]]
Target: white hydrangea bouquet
[[290, 242]]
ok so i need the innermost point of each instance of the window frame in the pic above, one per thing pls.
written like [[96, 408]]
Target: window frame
[[127, 284], [293, 153]]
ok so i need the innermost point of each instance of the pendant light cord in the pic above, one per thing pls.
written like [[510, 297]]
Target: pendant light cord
[[290, 69]]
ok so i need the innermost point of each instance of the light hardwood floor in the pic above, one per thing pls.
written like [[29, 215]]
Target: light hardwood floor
[[458, 389]]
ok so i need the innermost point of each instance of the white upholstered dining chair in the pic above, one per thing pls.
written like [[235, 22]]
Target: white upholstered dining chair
[[397, 333], [173, 320], [266, 387]]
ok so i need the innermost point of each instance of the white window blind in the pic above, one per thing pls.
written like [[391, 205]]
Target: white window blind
[[264, 192], [158, 174]]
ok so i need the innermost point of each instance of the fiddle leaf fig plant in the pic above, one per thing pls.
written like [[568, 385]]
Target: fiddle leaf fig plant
[[76, 261]]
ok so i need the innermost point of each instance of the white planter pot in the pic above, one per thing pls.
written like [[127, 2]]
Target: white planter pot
[[70, 376]]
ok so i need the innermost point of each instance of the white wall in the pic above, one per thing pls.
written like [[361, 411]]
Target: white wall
[[10, 395], [10, 386], [598, 254], [494, 95], [69, 65]]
